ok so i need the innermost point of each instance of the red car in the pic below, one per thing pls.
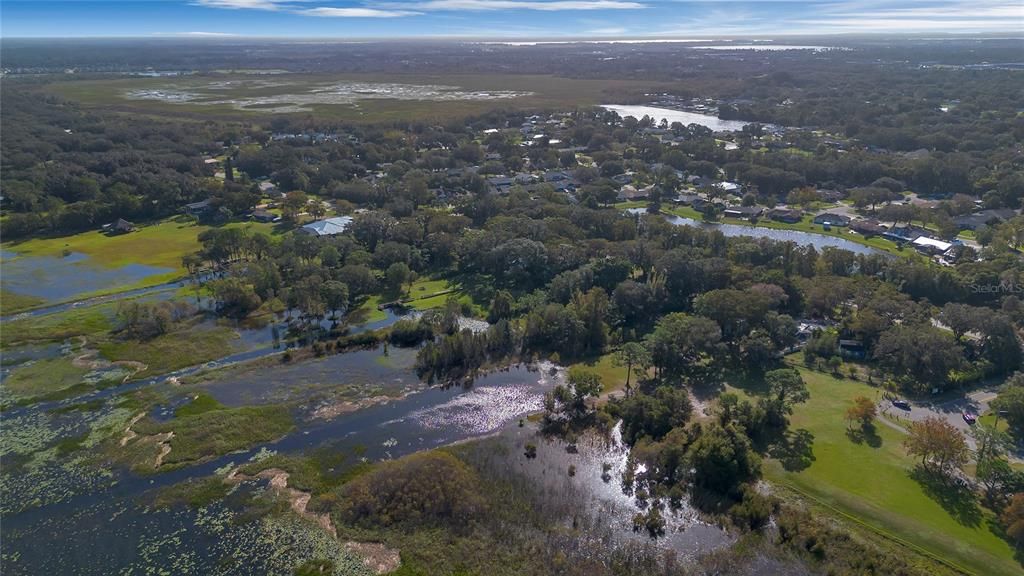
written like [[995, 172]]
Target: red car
[[970, 418]]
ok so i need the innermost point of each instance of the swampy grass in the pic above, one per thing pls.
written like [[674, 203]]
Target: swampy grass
[[161, 244], [43, 378], [11, 303], [219, 431], [60, 326], [180, 349], [545, 92]]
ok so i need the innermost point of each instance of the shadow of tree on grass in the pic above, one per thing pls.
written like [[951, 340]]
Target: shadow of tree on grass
[[953, 494], [794, 450], [865, 434]]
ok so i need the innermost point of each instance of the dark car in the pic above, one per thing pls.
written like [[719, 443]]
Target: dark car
[[901, 404], [970, 417]]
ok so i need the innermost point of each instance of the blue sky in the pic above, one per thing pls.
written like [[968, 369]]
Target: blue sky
[[503, 19]]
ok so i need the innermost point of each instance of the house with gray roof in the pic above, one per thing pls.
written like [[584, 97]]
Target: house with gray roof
[[326, 227]]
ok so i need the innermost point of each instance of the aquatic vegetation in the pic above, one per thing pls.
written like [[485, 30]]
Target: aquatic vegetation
[[217, 432], [201, 402], [56, 456]]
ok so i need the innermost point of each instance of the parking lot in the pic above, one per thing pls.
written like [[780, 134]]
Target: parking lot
[[950, 410]]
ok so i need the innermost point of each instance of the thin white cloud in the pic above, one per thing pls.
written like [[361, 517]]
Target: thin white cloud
[[925, 16], [357, 12], [199, 34], [541, 5], [241, 4], [609, 31]]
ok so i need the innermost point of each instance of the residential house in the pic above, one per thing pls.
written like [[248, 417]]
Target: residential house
[[261, 215], [629, 193], [785, 215], [854, 349], [867, 227], [198, 208], [743, 212], [686, 199], [984, 218], [931, 246], [829, 219], [326, 227], [500, 184], [119, 226]]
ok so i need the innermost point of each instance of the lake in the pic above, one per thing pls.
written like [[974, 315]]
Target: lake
[[819, 241], [686, 118]]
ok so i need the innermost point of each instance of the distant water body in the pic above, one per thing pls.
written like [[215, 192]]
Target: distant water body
[[765, 47], [686, 118]]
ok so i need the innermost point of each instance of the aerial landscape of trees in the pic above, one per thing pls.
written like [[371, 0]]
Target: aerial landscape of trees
[[725, 364]]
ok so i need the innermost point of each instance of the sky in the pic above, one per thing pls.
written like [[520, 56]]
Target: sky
[[503, 19]]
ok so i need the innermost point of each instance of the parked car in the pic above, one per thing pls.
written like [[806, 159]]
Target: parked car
[[970, 417], [901, 404]]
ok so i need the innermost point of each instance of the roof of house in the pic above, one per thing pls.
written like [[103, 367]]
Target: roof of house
[[830, 218], [745, 210], [198, 205], [926, 242], [328, 226]]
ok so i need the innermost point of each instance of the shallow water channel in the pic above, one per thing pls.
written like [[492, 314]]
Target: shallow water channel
[[109, 529]]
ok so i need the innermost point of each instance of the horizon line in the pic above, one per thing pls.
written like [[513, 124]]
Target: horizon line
[[992, 35]]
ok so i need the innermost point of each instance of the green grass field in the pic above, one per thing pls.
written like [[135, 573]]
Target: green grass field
[[613, 378], [872, 483]]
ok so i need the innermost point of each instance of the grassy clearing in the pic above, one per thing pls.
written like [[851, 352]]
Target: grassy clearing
[[11, 303], [43, 377], [186, 347], [220, 431], [613, 378], [870, 481]]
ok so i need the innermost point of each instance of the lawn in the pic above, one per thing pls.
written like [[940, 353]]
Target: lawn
[[613, 378], [871, 482]]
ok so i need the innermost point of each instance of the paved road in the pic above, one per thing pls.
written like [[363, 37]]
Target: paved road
[[950, 410]]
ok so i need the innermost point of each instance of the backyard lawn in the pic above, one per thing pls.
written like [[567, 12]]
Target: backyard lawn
[[871, 481]]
